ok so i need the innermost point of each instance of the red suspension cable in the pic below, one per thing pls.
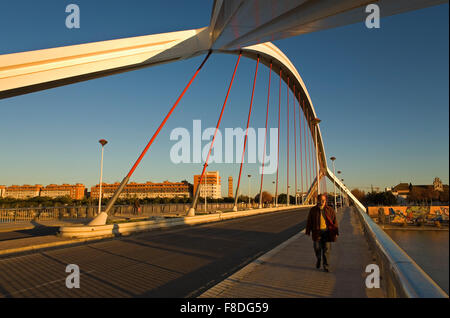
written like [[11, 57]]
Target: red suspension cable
[[246, 132], [278, 145], [167, 117], [295, 149], [218, 123], [265, 136], [125, 180], [287, 171], [306, 150], [310, 150], [300, 131], [314, 153], [313, 160]]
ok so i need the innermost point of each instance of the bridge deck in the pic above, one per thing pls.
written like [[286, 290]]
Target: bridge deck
[[289, 270]]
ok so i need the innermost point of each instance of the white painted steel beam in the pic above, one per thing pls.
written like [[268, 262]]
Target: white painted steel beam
[[26, 72], [238, 23], [233, 24], [344, 189]]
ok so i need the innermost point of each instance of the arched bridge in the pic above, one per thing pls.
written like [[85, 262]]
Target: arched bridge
[[244, 29]]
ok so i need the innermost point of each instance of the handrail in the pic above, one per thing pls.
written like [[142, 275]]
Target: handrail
[[404, 278]]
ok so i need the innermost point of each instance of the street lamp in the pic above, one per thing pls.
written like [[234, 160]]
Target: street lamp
[[340, 190], [103, 142], [316, 122], [273, 182], [249, 176], [343, 195], [206, 176], [334, 183]]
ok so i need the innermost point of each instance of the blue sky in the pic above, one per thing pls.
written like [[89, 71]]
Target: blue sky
[[382, 96]]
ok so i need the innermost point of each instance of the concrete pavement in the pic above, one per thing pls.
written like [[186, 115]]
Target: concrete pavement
[[289, 269], [28, 225], [176, 262], [27, 236]]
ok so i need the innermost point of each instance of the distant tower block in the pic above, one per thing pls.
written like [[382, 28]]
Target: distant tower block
[[230, 187]]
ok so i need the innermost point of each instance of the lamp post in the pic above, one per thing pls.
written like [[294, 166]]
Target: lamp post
[[316, 122], [206, 176], [273, 182], [334, 183], [103, 142], [340, 190], [343, 196], [249, 176]]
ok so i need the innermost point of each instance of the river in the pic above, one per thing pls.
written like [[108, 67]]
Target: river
[[429, 249]]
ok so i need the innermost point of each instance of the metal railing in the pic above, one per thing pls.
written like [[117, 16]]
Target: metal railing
[[402, 277], [46, 213], [74, 212]]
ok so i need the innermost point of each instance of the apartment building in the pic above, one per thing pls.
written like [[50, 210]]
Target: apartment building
[[25, 191], [211, 185], [149, 189], [75, 192]]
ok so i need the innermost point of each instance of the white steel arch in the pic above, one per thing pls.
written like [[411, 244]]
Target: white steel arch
[[26, 72], [233, 24], [269, 53]]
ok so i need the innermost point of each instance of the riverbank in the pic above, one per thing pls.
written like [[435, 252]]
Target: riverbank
[[414, 227]]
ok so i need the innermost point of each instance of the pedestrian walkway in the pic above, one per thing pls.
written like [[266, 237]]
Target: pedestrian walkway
[[289, 270], [31, 236], [28, 225]]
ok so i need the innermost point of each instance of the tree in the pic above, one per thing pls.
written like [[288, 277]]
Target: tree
[[292, 199], [416, 195], [228, 200], [380, 198], [282, 198], [360, 195], [443, 196], [64, 200], [389, 198], [435, 195], [266, 197], [243, 198]]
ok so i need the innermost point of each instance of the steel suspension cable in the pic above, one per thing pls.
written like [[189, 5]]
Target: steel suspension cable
[[314, 152], [246, 134], [310, 150], [287, 171], [295, 148], [300, 131], [313, 160], [265, 138], [215, 133], [278, 145], [306, 150], [127, 177]]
